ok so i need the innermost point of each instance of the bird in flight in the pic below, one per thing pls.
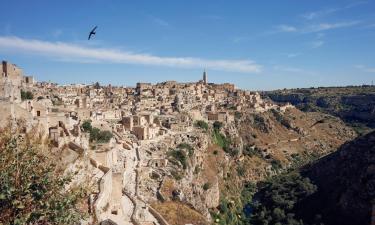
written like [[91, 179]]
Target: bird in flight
[[92, 32]]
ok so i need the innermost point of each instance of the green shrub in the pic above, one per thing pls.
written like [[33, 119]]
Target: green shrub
[[26, 95], [252, 151], [104, 136], [180, 156], [86, 126], [217, 125], [201, 124], [223, 142], [176, 175], [187, 147], [94, 134], [277, 198], [276, 165], [32, 191]]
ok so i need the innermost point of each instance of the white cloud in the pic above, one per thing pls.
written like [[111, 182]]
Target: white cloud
[[287, 28], [159, 21], [314, 28], [316, 14], [365, 69], [330, 26], [292, 55], [317, 44], [67, 51], [292, 70], [326, 12]]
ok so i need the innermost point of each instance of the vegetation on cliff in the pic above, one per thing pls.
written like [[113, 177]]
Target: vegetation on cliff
[[26, 95], [31, 189]]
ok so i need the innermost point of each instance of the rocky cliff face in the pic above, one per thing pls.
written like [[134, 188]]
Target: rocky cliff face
[[346, 184], [220, 161], [352, 104]]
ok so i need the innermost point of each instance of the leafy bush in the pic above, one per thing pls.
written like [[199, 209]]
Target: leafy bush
[[26, 95], [252, 151], [180, 156], [104, 136], [31, 189], [223, 142], [95, 133], [276, 165], [201, 124], [86, 126], [186, 146], [176, 175], [217, 125]]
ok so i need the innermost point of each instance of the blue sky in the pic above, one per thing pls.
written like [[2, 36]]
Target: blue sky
[[257, 45]]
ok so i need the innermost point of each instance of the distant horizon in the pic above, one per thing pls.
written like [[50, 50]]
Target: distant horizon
[[191, 81], [256, 46]]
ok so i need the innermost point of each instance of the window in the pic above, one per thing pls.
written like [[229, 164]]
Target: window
[[37, 113]]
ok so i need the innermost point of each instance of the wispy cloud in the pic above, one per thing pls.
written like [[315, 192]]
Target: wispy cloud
[[330, 26], [290, 69], [159, 21], [286, 28], [317, 44], [67, 51], [316, 14], [365, 69], [329, 11], [292, 55], [316, 28], [57, 33]]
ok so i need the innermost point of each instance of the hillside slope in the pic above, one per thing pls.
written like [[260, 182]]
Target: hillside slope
[[354, 105], [346, 184]]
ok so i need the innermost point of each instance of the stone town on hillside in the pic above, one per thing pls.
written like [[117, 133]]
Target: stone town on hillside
[[145, 122]]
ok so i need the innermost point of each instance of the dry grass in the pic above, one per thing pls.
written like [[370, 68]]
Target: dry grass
[[177, 213], [167, 187]]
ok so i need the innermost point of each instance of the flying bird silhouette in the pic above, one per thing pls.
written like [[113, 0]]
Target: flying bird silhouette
[[92, 32]]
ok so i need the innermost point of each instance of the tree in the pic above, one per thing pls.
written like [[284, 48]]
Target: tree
[[217, 125], [94, 134], [201, 124], [31, 189], [277, 198], [86, 126], [104, 136]]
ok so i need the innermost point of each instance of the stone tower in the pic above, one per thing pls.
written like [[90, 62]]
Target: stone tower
[[204, 77]]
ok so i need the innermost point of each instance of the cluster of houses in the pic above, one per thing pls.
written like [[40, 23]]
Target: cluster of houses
[[138, 117], [146, 111]]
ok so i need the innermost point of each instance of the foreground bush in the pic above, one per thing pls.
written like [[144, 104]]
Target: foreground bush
[[31, 191]]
